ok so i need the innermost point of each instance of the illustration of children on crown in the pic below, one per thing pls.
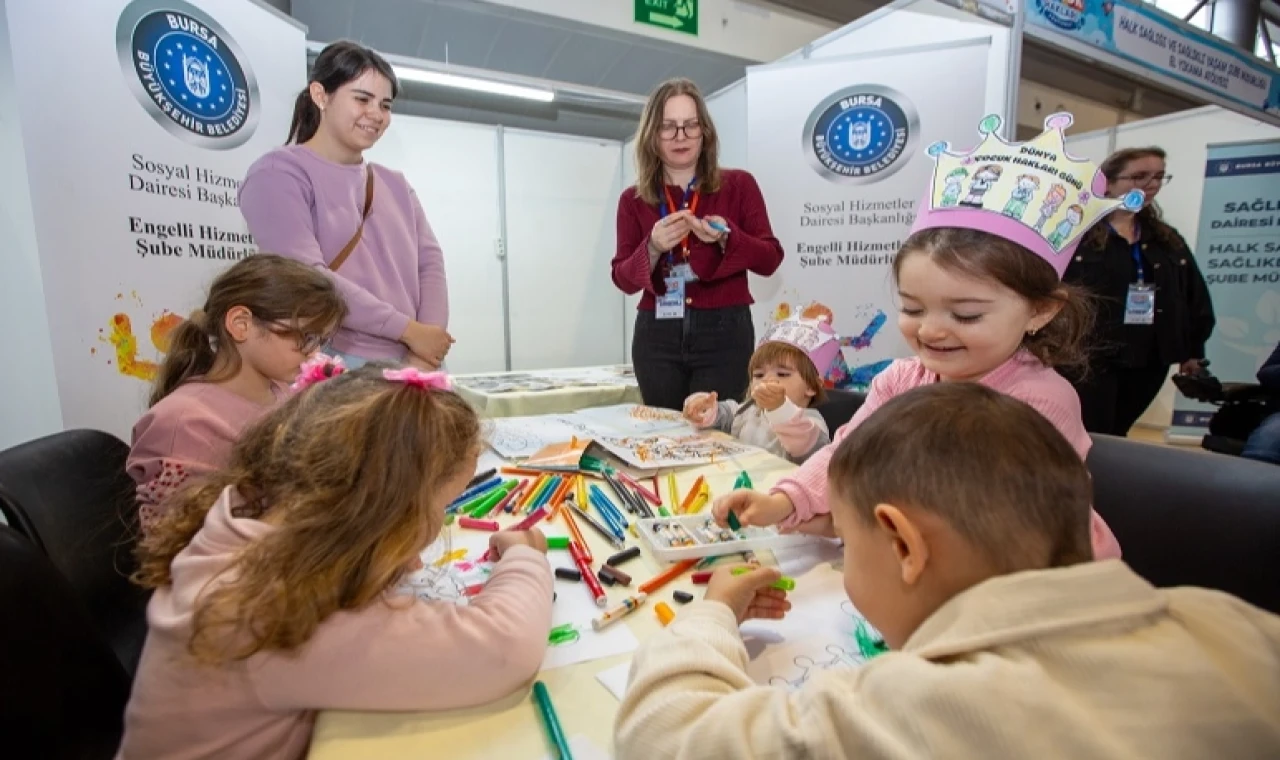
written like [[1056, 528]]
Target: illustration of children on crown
[[1063, 231], [1023, 192], [1057, 194], [983, 179], [955, 182]]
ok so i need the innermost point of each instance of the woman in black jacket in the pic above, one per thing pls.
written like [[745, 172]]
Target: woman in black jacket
[[1152, 305]]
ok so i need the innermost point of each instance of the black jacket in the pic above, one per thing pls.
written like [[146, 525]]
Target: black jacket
[[1184, 313]]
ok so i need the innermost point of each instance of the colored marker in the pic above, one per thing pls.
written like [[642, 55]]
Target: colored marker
[[615, 539], [588, 577], [506, 504], [567, 515], [558, 542], [693, 493], [533, 519], [666, 576], [718, 227], [743, 481], [700, 501], [701, 578], [624, 608], [548, 712], [493, 499], [652, 498], [548, 488], [782, 584], [665, 613], [623, 556], [673, 492], [482, 477], [471, 494], [534, 490], [563, 490], [474, 524]]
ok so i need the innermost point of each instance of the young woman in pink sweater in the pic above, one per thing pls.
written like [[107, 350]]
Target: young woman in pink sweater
[[982, 300], [227, 365], [274, 580]]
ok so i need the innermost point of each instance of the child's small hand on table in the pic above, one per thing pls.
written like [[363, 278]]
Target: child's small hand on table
[[503, 540], [752, 507], [768, 396], [698, 406], [748, 594]]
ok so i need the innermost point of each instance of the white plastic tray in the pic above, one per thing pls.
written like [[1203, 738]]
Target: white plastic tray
[[747, 538]]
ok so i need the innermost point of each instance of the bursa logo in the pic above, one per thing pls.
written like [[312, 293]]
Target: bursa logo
[[1064, 14], [187, 73]]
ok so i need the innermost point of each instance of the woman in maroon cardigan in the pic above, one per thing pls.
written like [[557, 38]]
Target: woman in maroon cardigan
[[688, 233]]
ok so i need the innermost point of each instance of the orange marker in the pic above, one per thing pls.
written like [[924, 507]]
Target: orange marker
[[693, 494], [665, 614], [534, 490], [563, 490], [567, 515], [666, 576]]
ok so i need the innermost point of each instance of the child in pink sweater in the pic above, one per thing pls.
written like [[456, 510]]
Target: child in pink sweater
[[982, 300], [227, 365], [786, 374], [274, 579]]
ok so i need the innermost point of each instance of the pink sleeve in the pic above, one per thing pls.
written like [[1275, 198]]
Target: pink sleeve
[[797, 432], [276, 200], [433, 292], [806, 487], [169, 448], [397, 655]]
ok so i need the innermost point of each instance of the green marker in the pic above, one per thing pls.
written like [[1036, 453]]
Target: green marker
[[491, 500], [557, 542], [782, 584], [743, 481]]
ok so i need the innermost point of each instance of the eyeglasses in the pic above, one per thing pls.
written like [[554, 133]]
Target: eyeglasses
[[308, 343], [1146, 179], [669, 129]]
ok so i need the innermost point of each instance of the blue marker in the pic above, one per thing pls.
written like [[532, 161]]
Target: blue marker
[[718, 227], [474, 491]]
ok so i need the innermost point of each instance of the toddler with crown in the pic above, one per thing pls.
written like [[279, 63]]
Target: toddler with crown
[[785, 381], [963, 502]]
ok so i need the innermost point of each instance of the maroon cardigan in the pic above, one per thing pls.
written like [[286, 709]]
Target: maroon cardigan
[[722, 274]]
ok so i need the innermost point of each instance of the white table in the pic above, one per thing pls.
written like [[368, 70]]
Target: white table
[[549, 391]]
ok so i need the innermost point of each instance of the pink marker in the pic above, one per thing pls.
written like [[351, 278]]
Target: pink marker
[[474, 524], [533, 519]]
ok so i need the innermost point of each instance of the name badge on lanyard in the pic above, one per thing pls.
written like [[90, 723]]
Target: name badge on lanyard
[[678, 266], [1140, 303]]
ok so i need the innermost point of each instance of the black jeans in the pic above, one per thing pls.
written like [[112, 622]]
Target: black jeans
[[1113, 398], [708, 350]]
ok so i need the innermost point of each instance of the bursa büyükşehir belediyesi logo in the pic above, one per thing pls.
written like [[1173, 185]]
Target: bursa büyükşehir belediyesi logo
[[188, 73], [860, 133]]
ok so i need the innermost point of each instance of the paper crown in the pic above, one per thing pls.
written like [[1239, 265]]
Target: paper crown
[[815, 337], [1031, 193]]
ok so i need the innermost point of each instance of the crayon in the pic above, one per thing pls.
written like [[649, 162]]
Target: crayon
[[782, 584], [624, 608], [474, 524], [665, 614], [666, 576]]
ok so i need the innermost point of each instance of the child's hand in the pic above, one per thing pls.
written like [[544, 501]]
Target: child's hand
[[752, 507], [749, 595], [768, 396], [503, 540], [699, 405]]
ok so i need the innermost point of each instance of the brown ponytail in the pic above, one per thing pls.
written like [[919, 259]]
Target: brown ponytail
[[339, 63], [273, 289]]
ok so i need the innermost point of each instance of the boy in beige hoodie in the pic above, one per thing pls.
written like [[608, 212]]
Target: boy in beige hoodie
[[965, 520]]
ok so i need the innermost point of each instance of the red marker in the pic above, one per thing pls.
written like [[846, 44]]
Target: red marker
[[588, 577], [533, 519], [701, 578], [474, 524], [511, 497]]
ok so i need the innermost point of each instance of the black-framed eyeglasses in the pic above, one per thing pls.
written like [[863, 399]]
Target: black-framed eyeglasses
[[1146, 179], [669, 129]]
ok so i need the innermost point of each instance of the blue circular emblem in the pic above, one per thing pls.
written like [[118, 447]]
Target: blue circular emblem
[[188, 73], [1064, 14], [860, 133]]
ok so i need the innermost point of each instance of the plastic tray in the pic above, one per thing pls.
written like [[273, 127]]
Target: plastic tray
[[747, 538]]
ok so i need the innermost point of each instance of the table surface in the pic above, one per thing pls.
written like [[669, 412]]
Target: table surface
[[612, 384], [511, 728]]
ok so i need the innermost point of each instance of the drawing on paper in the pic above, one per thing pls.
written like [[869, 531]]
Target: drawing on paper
[[837, 658], [644, 413], [653, 451]]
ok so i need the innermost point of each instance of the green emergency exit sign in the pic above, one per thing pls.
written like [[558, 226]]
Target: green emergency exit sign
[[676, 15]]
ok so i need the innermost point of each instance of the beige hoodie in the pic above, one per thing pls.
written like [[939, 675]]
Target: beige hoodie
[[400, 653]]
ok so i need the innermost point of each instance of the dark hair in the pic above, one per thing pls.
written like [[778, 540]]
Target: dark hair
[[1150, 218], [339, 63], [784, 354], [1022, 497], [1060, 343], [274, 289]]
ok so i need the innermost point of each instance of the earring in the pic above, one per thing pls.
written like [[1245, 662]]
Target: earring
[[1032, 332]]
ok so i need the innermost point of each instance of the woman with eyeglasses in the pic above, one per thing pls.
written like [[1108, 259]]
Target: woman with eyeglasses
[[689, 231], [1152, 305]]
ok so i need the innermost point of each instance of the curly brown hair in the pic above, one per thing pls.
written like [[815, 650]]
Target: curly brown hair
[[349, 472], [974, 253]]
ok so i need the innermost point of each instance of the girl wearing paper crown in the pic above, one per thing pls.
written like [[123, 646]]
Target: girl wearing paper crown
[[784, 383], [982, 301]]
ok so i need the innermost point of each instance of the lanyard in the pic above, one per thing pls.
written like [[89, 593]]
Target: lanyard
[[689, 201]]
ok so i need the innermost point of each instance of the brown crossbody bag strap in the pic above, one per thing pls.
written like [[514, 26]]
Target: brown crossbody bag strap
[[355, 239]]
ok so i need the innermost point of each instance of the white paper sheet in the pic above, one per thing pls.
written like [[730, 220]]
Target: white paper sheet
[[615, 679], [574, 605], [582, 749], [519, 437], [634, 419]]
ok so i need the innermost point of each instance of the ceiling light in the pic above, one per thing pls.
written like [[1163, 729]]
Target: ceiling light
[[442, 79]]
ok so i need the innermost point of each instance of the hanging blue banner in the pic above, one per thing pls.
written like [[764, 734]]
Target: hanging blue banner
[[1144, 35], [1238, 249]]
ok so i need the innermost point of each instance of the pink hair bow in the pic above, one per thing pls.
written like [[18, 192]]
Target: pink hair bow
[[417, 378], [317, 369]]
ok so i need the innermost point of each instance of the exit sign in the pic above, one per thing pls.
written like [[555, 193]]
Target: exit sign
[[676, 15]]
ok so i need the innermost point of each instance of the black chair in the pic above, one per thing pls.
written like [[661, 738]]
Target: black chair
[[62, 690], [68, 493], [840, 407], [1192, 518]]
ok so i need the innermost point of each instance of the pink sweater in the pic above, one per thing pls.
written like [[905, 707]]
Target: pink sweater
[[189, 433], [1023, 377], [400, 653], [300, 205]]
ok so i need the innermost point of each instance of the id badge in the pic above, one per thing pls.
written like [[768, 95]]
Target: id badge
[[684, 272], [1140, 305], [671, 304]]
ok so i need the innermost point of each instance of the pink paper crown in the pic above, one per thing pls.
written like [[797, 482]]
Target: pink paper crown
[[1034, 193], [815, 337]]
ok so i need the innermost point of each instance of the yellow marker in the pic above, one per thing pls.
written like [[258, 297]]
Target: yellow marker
[[665, 614], [453, 556], [700, 501], [675, 493], [580, 493]]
